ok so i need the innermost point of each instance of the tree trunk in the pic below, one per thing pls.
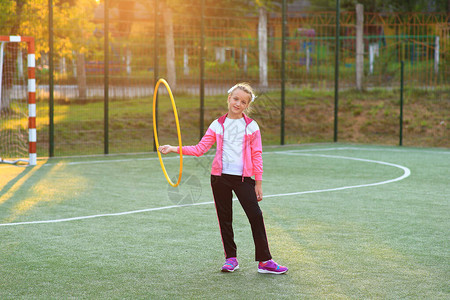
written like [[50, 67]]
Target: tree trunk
[[262, 38], [81, 78], [170, 47], [2, 100], [359, 46]]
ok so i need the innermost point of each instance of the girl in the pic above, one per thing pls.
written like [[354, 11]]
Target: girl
[[238, 157]]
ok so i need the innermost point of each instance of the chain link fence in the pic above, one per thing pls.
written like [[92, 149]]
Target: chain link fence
[[96, 72]]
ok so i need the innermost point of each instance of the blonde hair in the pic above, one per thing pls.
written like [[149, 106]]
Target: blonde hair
[[246, 87]]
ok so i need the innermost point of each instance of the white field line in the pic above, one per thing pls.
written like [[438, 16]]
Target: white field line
[[73, 163], [395, 150], [406, 173], [105, 215], [264, 153]]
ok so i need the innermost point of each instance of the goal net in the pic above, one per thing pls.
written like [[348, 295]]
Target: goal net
[[17, 100]]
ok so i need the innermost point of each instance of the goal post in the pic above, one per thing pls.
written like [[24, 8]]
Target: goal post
[[10, 129]]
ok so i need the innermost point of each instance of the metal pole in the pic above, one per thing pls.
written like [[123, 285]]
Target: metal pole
[[336, 73], [106, 79], [51, 108], [156, 66], [401, 103], [283, 71], [50, 80], [202, 69]]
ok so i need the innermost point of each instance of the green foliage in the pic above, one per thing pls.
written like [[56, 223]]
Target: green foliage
[[7, 7], [213, 67], [72, 23]]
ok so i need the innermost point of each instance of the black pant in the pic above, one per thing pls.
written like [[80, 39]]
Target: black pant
[[222, 187]]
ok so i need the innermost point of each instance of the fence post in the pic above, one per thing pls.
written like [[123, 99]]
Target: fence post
[[336, 73], [401, 103], [202, 69], [106, 80], [51, 109], [156, 65], [359, 46], [283, 71]]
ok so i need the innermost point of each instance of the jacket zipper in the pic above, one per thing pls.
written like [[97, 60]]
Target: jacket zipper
[[243, 151]]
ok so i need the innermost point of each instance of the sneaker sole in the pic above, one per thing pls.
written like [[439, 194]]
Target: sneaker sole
[[229, 271], [262, 271]]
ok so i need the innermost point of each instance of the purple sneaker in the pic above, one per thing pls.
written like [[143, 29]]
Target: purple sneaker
[[230, 265], [271, 267]]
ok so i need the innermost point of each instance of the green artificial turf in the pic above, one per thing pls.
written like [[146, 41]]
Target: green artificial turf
[[334, 215]]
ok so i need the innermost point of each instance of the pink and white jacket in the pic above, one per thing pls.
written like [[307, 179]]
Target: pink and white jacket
[[252, 147]]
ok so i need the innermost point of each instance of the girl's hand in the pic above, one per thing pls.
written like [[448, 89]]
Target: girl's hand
[[167, 149], [258, 190]]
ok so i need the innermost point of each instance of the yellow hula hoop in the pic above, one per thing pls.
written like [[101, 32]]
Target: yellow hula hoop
[[155, 93]]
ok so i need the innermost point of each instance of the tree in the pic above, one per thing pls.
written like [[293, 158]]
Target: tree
[[262, 43], [72, 23], [264, 7], [170, 44]]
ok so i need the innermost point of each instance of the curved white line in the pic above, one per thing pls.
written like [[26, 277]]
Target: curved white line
[[406, 173]]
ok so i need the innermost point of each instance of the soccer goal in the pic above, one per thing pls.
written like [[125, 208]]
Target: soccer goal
[[17, 100]]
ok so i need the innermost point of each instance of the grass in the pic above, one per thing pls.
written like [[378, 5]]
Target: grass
[[383, 241]]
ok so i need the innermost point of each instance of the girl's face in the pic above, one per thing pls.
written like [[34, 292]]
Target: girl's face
[[238, 101]]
